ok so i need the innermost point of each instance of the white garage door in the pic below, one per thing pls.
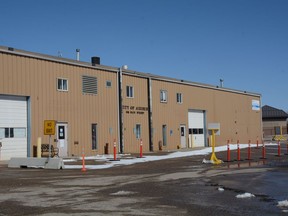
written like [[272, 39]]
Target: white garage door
[[196, 129], [13, 127]]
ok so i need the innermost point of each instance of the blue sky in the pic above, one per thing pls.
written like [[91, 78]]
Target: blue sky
[[244, 42]]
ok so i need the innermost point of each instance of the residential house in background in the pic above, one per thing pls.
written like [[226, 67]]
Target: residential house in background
[[274, 123]]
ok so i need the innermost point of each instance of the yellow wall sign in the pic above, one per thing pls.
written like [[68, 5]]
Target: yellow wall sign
[[49, 127]]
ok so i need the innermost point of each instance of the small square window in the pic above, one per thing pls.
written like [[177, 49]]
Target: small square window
[[163, 96], [62, 84], [108, 84], [179, 98], [129, 91]]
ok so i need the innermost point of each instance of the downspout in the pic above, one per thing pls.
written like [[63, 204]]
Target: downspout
[[120, 111], [261, 121], [150, 115], [29, 127]]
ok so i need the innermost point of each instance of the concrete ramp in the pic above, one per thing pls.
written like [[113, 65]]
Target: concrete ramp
[[44, 163]]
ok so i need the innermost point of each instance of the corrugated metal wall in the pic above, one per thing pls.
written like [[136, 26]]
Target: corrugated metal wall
[[135, 111], [233, 112], [38, 79]]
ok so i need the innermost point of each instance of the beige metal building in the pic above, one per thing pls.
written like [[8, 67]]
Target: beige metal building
[[95, 106]]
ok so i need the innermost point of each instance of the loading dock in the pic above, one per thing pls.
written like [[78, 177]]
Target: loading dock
[[196, 128]]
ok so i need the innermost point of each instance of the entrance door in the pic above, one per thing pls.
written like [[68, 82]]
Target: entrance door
[[164, 134], [62, 139], [183, 136]]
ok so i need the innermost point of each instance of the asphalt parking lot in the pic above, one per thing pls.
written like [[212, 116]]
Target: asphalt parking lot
[[179, 186]]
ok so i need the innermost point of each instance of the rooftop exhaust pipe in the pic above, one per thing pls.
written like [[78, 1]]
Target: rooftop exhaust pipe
[[78, 54], [221, 83]]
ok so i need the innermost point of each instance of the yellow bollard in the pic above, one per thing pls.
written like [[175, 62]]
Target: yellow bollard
[[213, 158], [39, 147]]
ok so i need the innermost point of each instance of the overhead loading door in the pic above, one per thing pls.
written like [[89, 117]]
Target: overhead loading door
[[13, 127], [196, 128]]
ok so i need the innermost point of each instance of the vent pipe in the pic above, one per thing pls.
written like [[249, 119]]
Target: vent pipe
[[95, 60], [221, 83], [78, 54]]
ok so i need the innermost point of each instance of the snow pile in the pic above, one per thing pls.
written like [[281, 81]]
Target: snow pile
[[129, 161], [122, 193], [245, 195], [283, 203]]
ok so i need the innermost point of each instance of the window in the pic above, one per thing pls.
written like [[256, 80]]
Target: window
[[89, 85], [8, 132], [196, 131], [61, 132], [138, 131], [163, 96], [19, 132], [62, 84], [179, 98], [129, 91], [94, 136], [277, 130], [12, 133], [108, 83]]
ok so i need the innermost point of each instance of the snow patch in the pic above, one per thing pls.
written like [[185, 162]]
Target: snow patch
[[245, 195], [69, 160], [283, 203], [207, 161], [220, 189], [122, 193]]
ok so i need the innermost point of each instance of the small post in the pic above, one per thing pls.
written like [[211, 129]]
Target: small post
[[257, 142], [83, 161], [49, 146], [279, 149], [263, 152], [114, 149], [238, 151], [39, 147], [228, 151], [249, 150], [141, 148]]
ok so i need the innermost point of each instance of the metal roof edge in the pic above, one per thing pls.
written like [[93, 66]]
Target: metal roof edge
[[186, 82], [19, 52], [62, 60]]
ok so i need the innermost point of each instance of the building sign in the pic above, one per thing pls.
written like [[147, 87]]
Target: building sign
[[134, 110], [49, 127], [256, 105]]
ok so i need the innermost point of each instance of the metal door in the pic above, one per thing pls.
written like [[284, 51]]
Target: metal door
[[62, 139], [183, 136]]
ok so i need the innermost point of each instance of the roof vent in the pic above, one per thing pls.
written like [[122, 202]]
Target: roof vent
[[78, 54], [95, 60], [221, 83]]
